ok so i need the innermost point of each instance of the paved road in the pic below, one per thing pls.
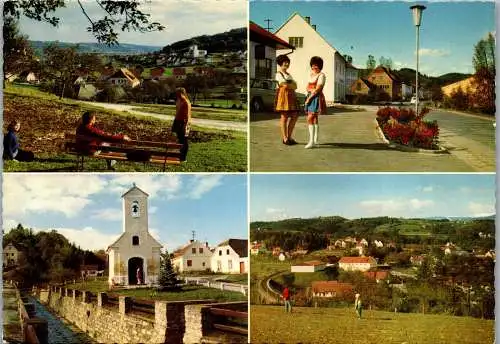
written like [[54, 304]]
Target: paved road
[[349, 143], [207, 123]]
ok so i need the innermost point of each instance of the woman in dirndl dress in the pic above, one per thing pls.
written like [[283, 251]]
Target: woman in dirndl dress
[[285, 101], [315, 103]]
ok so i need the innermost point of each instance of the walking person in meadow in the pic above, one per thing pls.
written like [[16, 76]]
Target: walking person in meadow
[[315, 103], [182, 122], [358, 306], [11, 146], [285, 101], [286, 297]]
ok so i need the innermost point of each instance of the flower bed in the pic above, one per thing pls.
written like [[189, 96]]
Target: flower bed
[[403, 126]]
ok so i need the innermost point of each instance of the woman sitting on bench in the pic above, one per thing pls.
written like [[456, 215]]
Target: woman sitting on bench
[[11, 150], [87, 128]]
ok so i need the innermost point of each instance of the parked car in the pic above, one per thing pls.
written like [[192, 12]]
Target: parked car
[[262, 93]]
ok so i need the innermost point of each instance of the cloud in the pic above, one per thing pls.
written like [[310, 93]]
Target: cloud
[[434, 52], [481, 209], [182, 20], [108, 214], [87, 238], [395, 207], [427, 189], [274, 214], [161, 186], [62, 193], [202, 184]]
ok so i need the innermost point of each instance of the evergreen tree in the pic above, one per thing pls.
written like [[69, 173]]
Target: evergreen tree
[[168, 276]]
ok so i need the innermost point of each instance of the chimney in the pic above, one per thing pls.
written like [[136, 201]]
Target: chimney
[[308, 20], [191, 241], [314, 27]]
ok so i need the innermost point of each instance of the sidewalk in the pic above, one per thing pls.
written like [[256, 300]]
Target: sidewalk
[[348, 143]]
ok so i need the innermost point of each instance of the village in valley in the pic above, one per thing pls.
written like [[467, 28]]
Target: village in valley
[[131, 87], [406, 269], [133, 282]]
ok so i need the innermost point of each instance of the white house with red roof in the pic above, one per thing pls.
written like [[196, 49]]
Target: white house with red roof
[[194, 256], [311, 266], [357, 263], [308, 42]]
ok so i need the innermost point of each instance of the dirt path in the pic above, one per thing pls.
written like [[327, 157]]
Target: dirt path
[[207, 123]]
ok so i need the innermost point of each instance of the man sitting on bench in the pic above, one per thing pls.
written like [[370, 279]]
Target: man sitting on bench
[[87, 128]]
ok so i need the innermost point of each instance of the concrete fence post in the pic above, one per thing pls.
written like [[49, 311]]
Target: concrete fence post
[[102, 299], [125, 304], [85, 296], [196, 323], [74, 295]]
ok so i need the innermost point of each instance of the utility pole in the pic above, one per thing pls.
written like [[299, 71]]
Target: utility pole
[[268, 21], [193, 234]]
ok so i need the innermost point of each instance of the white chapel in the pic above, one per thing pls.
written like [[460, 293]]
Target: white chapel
[[134, 258]]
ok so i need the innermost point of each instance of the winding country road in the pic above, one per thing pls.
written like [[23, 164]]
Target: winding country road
[[206, 123]]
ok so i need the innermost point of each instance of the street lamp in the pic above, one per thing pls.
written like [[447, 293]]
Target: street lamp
[[417, 18]]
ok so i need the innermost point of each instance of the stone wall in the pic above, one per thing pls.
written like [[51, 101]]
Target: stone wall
[[113, 323]]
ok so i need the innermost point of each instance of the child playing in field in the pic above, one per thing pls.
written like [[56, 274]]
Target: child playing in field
[[358, 306], [286, 297], [315, 103]]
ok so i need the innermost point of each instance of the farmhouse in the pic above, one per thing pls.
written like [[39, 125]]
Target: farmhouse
[[333, 289], [10, 255], [135, 249], [194, 256], [231, 256], [377, 275], [311, 266], [357, 263], [124, 77]]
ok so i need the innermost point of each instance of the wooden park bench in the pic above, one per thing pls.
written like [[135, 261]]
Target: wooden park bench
[[165, 153]]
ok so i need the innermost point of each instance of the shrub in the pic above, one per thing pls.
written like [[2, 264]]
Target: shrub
[[404, 127]]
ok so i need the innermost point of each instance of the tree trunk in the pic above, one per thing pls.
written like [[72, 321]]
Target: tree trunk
[[62, 92]]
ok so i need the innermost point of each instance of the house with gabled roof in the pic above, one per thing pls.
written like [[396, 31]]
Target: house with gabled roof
[[231, 256], [10, 255], [357, 263], [136, 251], [124, 77], [194, 256], [263, 47], [305, 37]]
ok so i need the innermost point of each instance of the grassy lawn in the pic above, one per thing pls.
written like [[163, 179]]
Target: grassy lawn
[[190, 292], [197, 112], [45, 119], [269, 324], [263, 266]]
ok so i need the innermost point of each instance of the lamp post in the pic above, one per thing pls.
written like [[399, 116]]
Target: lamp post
[[417, 19]]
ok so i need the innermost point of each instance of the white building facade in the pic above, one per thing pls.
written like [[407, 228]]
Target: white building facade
[[195, 256], [299, 32], [135, 249], [231, 257]]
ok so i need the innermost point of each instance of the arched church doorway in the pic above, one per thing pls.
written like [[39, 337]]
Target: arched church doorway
[[134, 264]]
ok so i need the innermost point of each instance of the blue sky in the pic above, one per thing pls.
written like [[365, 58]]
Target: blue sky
[[182, 19], [448, 32], [280, 196], [87, 208]]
